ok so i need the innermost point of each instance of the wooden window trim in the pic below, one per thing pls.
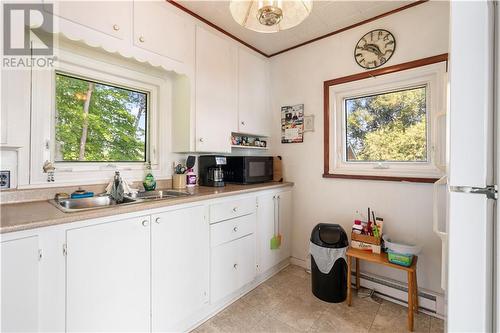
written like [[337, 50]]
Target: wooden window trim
[[361, 76]]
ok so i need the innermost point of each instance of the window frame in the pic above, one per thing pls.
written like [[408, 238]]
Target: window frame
[[430, 72], [100, 67]]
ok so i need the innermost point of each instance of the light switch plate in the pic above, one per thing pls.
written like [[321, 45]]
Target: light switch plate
[[4, 179], [309, 123]]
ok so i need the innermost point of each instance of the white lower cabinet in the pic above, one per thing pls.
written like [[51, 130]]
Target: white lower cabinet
[[20, 285], [273, 218], [285, 223], [180, 267], [232, 262], [233, 266], [160, 271], [108, 277]]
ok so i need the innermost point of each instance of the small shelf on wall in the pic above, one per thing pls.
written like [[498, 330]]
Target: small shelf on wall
[[248, 141], [249, 147]]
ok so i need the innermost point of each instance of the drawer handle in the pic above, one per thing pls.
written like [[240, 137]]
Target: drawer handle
[[235, 209], [145, 223], [235, 266], [157, 220], [116, 27], [142, 39], [235, 229]]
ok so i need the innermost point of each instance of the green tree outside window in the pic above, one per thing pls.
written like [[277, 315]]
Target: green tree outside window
[[96, 122], [387, 127]]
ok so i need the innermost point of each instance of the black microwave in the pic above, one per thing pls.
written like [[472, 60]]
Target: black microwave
[[248, 169]]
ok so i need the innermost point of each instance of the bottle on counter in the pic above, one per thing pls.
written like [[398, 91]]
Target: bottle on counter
[[190, 178], [149, 182]]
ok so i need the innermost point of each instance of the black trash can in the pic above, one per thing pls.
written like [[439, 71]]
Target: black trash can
[[331, 287]]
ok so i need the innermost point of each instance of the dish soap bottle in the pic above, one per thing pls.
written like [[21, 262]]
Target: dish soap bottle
[[190, 178], [149, 180]]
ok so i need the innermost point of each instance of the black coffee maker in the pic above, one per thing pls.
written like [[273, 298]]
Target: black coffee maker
[[210, 170]]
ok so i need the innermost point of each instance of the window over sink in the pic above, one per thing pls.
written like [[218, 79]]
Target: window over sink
[[94, 114], [99, 122]]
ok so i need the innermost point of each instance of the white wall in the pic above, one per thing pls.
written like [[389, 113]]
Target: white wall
[[297, 77]]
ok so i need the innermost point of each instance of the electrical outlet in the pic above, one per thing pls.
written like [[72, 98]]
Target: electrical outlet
[[4, 179]]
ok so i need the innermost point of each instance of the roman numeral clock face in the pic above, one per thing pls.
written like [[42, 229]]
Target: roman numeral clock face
[[374, 49]]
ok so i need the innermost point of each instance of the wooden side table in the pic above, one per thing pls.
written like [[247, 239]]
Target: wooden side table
[[382, 260]]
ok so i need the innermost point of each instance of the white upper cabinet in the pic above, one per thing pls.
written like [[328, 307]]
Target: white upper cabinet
[[20, 285], [180, 267], [157, 28], [216, 92], [109, 17], [108, 277], [152, 31], [253, 99]]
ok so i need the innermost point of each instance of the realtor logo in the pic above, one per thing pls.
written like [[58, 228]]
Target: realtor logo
[[28, 29], [28, 39]]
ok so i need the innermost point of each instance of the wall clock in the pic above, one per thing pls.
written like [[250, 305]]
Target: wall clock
[[374, 49]]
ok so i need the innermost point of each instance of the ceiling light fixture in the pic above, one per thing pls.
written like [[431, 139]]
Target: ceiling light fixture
[[270, 16]]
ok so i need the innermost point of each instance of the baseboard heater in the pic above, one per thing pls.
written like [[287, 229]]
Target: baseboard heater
[[398, 292]]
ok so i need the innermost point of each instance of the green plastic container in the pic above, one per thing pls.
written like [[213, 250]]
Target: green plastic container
[[400, 258]]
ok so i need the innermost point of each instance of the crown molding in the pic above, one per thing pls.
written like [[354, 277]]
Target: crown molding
[[216, 27]]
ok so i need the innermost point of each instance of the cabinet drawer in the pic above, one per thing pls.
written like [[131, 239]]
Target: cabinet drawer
[[232, 267], [230, 209], [232, 229]]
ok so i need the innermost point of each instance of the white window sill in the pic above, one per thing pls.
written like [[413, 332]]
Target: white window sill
[[421, 174]]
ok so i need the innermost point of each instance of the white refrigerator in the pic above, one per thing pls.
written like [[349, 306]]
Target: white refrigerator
[[472, 223]]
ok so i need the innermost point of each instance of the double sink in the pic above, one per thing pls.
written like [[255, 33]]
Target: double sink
[[104, 201]]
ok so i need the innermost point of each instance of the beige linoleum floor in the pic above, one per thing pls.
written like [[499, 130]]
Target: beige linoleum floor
[[285, 303]]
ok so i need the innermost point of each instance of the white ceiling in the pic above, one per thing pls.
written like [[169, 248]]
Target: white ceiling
[[326, 16]]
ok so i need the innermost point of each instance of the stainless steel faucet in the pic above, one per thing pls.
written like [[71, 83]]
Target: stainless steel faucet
[[117, 191]]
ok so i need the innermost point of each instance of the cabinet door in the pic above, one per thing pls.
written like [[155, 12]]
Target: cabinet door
[[216, 94], [232, 267], [157, 28], [253, 85], [20, 285], [108, 277], [266, 228], [285, 223], [180, 266], [109, 17]]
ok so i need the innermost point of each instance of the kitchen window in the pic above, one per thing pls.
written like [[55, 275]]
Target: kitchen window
[[95, 114], [390, 127], [387, 127], [99, 122]]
